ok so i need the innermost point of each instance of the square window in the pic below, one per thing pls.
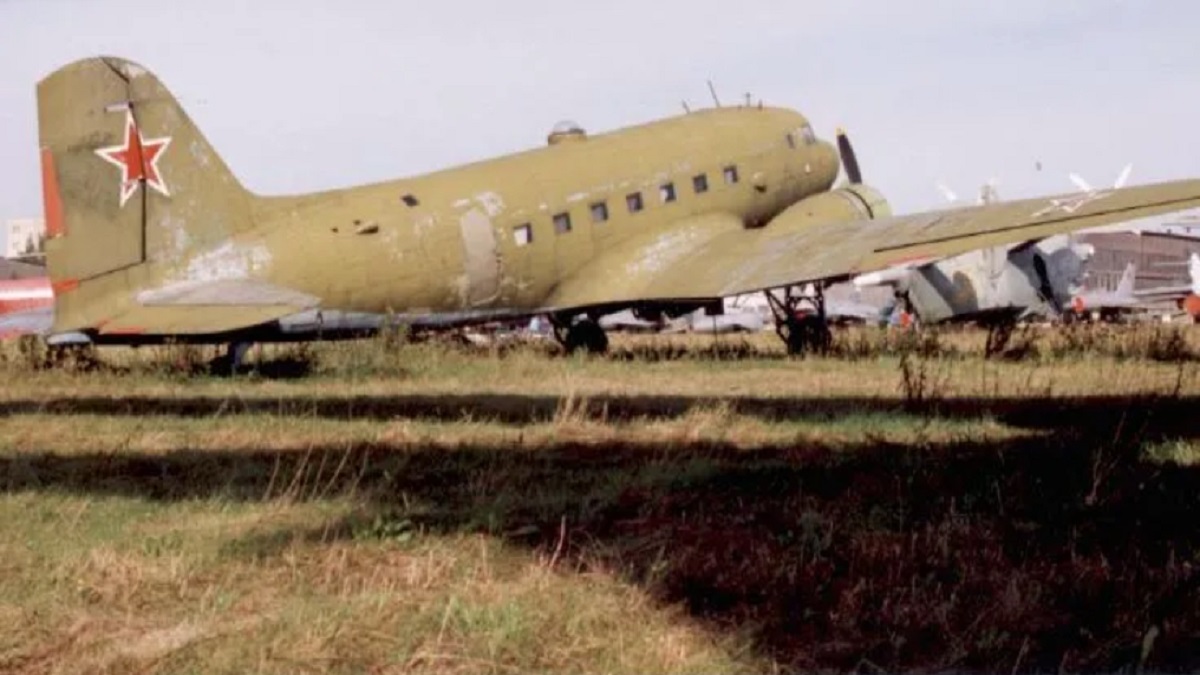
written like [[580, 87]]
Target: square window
[[700, 183], [523, 234], [562, 223], [634, 202], [666, 192], [599, 212], [731, 175]]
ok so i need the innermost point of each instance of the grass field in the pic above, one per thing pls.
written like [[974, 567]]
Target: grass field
[[684, 505]]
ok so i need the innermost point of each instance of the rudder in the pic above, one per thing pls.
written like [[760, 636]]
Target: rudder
[[130, 186], [1128, 277]]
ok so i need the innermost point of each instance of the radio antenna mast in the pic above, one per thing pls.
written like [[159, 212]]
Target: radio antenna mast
[[712, 90]]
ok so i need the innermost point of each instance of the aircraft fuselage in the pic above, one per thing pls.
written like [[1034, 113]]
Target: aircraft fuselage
[[495, 238]]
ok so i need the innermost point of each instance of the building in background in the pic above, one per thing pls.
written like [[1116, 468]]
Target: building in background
[[24, 238], [1159, 251]]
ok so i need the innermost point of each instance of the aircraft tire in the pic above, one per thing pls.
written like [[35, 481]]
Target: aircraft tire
[[808, 335], [586, 335]]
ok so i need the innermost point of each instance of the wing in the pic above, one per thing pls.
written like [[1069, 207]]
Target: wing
[[714, 256]]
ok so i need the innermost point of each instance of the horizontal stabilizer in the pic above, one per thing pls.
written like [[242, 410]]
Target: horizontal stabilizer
[[191, 320], [226, 292]]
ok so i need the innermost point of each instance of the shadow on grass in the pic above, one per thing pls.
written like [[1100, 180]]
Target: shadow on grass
[[1060, 552], [1163, 416]]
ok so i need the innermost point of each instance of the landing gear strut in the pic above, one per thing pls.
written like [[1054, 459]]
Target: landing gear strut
[[801, 330], [999, 333], [581, 333], [229, 362]]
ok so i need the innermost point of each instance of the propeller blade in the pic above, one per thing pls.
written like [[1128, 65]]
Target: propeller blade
[[1123, 177], [849, 159], [947, 192], [1080, 183]]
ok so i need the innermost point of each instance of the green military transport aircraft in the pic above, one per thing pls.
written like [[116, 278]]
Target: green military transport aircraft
[[151, 238]]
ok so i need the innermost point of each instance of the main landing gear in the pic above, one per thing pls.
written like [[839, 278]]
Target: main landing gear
[[580, 333], [231, 361], [800, 320]]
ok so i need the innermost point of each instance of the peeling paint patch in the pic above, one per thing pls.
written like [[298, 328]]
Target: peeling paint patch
[[390, 240], [662, 253], [224, 292], [461, 287], [577, 197], [491, 202], [228, 261], [462, 203], [423, 224], [175, 234], [481, 259]]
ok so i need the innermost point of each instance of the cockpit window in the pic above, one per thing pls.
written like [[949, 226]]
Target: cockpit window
[[806, 132]]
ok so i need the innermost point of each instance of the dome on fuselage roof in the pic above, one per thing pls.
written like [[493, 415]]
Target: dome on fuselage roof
[[566, 130]]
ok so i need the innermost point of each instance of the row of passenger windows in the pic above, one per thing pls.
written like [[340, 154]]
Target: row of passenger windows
[[523, 233]]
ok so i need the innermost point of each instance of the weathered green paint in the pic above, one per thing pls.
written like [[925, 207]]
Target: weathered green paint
[[211, 257]]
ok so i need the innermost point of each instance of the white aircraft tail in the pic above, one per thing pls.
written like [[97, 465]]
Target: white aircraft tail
[[1194, 272], [949, 194], [1125, 287], [1123, 177]]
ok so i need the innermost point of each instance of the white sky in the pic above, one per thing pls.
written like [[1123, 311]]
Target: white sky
[[300, 95]]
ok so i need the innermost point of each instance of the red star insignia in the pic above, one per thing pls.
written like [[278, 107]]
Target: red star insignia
[[138, 159]]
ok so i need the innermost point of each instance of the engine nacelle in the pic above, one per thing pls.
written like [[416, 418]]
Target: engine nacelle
[[846, 203]]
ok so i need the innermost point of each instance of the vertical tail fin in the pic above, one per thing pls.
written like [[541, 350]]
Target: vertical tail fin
[[1125, 287], [130, 186], [1194, 272]]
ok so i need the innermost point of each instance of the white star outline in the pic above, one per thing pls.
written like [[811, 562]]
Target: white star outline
[[129, 186], [1069, 205]]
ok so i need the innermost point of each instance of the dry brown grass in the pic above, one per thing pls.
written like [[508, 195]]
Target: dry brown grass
[[433, 509]]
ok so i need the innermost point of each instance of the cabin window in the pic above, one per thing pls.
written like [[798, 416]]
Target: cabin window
[[806, 132], [666, 192], [731, 175], [634, 202], [523, 234], [409, 200], [599, 212], [700, 183], [562, 223], [791, 141]]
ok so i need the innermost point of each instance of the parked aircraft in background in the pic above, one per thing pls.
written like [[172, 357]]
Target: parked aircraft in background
[[1002, 284], [1190, 302], [1100, 304], [997, 285], [26, 307], [1105, 305], [152, 238]]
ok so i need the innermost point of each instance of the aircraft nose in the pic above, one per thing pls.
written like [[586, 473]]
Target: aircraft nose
[[823, 164]]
